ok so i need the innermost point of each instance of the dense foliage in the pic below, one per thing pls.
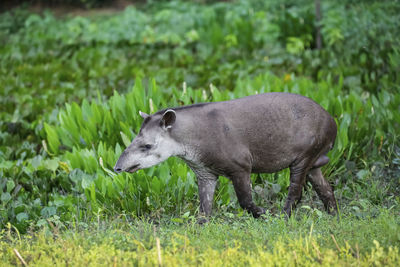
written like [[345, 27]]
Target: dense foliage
[[71, 89]]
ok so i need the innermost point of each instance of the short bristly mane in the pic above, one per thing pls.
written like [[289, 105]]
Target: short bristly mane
[[160, 112]]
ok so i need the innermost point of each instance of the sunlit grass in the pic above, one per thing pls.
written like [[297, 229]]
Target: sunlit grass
[[224, 241]]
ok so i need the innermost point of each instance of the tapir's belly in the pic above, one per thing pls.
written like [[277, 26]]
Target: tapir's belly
[[269, 162]]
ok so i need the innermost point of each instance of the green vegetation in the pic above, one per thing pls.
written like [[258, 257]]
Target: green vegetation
[[71, 88]]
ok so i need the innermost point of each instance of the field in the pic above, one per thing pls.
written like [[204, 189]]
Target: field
[[70, 91], [225, 241]]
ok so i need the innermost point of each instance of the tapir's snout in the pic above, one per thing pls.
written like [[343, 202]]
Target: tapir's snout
[[121, 162], [117, 169], [125, 164]]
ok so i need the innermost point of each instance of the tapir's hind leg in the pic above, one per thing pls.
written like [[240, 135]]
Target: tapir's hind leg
[[297, 180], [321, 185], [323, 189]]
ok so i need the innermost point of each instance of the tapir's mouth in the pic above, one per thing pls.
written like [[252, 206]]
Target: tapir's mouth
[[133, 168]]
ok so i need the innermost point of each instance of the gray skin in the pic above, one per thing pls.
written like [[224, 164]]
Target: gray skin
[[263, 133]]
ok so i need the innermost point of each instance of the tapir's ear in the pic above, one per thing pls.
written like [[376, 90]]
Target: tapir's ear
[[143, 115], [168, 119]]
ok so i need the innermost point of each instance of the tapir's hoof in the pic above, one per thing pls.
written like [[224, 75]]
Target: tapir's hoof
[[257, 212], [287, 213], [202, 220], [332, 210]]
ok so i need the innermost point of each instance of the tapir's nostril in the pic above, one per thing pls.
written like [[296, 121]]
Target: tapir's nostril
[[117, 170]]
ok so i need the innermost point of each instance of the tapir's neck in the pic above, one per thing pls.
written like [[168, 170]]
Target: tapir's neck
[[183, 148], [189, 154], [176, 149], [185, 133]]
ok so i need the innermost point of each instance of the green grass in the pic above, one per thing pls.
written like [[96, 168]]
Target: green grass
[[227, 240]]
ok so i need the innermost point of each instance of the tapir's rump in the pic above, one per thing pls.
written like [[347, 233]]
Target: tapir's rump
[[261, 133]]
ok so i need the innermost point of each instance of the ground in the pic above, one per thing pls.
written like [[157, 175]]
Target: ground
[[309, 238]]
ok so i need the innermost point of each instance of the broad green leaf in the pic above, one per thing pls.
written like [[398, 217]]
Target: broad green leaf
[[48, 211], [22, 216], [5, 197], [276, 188], [156, 185], [87, 181], [52, 138], [10, 185], [125, 139], [50, 164]]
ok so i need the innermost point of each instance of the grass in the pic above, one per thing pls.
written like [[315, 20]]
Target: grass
[[227, 240]]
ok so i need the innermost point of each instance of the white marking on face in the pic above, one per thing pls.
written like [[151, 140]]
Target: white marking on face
[[162, 147]]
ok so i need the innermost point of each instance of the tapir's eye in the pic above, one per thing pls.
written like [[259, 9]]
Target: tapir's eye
[[148, 146], [145, 147]]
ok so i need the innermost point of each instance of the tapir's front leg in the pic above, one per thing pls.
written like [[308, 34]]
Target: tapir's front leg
[[206, 193], [242, 184], [206, 182]]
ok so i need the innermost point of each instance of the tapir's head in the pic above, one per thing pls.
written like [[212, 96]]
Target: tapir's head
[[152, 145]]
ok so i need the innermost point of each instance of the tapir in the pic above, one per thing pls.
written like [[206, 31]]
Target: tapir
[[262, 133]]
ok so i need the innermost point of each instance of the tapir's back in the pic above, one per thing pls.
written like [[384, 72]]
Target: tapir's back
[[275, 113]]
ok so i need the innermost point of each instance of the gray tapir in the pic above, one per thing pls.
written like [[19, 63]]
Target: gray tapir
[[263, 133]]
